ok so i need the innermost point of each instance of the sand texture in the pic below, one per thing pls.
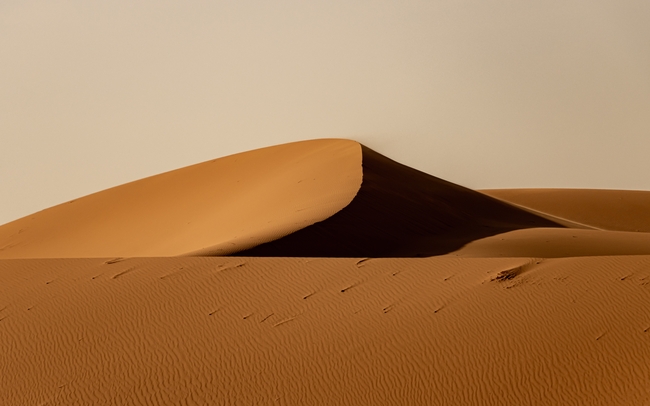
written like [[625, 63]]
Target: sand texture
[[297, 331], [323, 273]]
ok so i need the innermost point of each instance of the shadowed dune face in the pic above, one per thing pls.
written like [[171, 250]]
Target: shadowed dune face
[[558, 243], [402, 212], [319, 198], [328, 198], [195, 327]]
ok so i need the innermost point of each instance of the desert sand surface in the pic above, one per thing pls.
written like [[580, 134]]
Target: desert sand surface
[[322, 272], [307, 331]]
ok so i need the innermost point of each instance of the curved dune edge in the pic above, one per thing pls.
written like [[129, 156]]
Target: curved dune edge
[[613, 210], [434, 331], [213, 208], [326, 198], [402, 212]]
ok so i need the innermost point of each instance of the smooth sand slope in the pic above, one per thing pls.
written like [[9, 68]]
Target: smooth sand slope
[[616, 210], [214, 208], [558, 243], [599, 222], [296, 331]]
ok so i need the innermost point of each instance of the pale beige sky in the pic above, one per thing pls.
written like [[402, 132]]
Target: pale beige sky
[[482, 93]]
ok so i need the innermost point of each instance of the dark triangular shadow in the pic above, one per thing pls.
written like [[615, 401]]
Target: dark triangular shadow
[[402, 212]]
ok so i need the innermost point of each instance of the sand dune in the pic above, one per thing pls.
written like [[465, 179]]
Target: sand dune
[[402, 212], [558, 243], [240, 331], [216, 207], [527, 298], [617, 210], [333, 198]]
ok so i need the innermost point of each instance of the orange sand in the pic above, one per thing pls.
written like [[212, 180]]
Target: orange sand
[[435, 331], [330, 198], [617, 210], [216, 207], [541, 301], [558, 243]]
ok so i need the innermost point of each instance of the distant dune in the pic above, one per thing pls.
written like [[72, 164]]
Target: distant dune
[[290, 275], [616, 210], [558, 243]]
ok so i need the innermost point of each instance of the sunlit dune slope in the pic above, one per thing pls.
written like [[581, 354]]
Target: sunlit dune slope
[[402, 212], [617, 210], [215, 207], [291, 331]]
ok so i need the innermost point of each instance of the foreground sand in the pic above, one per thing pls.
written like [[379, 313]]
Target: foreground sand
[[296, 331]]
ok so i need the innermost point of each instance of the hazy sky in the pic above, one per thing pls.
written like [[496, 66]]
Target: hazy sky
[[483, 93]]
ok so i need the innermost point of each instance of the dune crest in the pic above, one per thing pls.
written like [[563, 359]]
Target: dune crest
[[328, 198], [402, 212], [320, 198], [213, 208]]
